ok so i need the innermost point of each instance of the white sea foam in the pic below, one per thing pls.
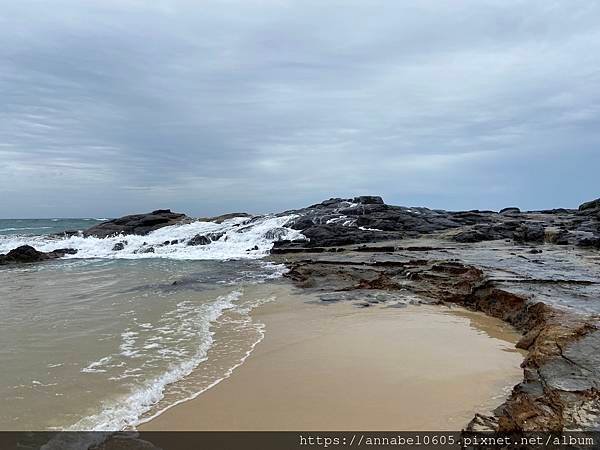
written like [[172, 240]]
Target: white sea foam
[[126, 412], [369, 229], [259, 327], [241, 238], [130, 411]]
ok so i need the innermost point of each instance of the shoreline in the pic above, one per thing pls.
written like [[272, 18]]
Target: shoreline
[[535, 270], [309, 370], [558, 388]]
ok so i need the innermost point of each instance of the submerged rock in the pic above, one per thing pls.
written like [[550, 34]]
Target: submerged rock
[[215, 236], [118, 246], [199, 239]]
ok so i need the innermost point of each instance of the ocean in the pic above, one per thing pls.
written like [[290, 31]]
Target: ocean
[[106, 339]]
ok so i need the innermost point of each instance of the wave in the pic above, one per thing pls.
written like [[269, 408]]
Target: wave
[[126, 412], [25, 228], [235, 238]]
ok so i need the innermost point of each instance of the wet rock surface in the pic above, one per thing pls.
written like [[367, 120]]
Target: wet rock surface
[[28, 254], [140, 224], [551, 295]]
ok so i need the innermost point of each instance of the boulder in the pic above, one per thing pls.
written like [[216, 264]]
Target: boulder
[[199, 239], [28, 254], [139, 224], [118, 247]]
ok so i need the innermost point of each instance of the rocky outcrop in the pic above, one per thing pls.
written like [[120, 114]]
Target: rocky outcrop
[[364, 219], [140, 224], [28, 254], [592, 205]]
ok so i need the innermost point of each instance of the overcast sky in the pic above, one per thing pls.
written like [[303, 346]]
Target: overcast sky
[[113, 107]]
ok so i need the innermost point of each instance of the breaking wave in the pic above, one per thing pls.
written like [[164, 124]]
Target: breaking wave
[[235, 238]]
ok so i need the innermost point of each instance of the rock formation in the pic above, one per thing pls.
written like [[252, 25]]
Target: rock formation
[[364, 219], [537, 270], [140, 224], [28, 254]]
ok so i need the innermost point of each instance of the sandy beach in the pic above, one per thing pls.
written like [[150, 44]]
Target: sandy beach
[[333, 366]]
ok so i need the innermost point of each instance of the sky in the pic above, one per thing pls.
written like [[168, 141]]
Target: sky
[[111, 107]]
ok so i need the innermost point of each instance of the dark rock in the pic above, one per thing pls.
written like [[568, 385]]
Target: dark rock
[[302, 224], [594, 204], [24, 254], [339, 221], [28, 254], [223, 217], [276, 233], [589, 242], [140, 224], [67, 233], [530, 232], [174, 241], [118, 247], [64, 251], [145, 250], [471, 236], [331, 235], [215, 236], [368, 200], [510, 210], [554, 211], [199, 239], [376, 248]]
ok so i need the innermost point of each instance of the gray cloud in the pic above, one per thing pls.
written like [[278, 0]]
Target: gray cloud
[[111, 107]]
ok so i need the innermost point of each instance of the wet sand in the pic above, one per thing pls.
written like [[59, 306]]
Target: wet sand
[[338, 367]]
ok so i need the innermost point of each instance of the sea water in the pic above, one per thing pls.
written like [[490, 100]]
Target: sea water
[[106, 339]]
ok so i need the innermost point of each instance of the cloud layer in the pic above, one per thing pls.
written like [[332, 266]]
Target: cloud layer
[[110, 107]]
